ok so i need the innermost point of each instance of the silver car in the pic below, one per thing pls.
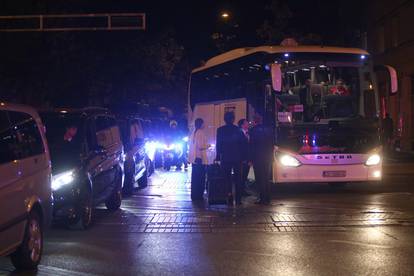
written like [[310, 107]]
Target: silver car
[[25, 185]]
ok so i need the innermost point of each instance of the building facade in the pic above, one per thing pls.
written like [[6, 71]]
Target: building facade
[[390, 37]]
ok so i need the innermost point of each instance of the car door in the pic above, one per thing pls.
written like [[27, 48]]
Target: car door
[[114, 149], [139, 144], [96, 159], [12, 205], [34, 163], [104, 171]]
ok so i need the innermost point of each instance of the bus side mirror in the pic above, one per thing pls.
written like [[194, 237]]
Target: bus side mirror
[[391, 76], [393, 79], [276, 73]]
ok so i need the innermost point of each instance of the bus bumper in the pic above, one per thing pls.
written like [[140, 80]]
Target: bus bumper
[[326, 173]]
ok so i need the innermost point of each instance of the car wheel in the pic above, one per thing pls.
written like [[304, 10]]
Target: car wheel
[[29, 253], [128, 184], [114, 201], [84, 215], [143, 181], [150, 167]]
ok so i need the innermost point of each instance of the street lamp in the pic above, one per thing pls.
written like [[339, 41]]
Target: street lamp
[[225, 15]]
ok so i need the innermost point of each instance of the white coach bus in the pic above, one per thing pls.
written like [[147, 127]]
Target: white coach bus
[[321, 102]]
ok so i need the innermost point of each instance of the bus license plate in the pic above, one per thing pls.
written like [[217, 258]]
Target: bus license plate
[[334, 174]]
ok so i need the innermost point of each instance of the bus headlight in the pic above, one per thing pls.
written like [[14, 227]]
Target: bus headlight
[[62, 179], [289, 161], [373, 160]]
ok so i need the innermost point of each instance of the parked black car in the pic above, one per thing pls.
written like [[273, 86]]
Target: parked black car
[[137, 164], [87, 164]]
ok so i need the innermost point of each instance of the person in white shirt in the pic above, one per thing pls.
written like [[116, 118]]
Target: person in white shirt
[[198, 158], [198, 144]]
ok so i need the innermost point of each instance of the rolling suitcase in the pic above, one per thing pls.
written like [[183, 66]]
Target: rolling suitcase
[[198, 180], [216, 185]]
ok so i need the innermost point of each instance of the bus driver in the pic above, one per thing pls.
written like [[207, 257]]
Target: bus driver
[[339, 88]]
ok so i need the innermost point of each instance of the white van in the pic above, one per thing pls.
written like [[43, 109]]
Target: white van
[[25, 185]]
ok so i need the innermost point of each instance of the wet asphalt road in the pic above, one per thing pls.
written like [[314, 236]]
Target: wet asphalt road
[[315, 229]]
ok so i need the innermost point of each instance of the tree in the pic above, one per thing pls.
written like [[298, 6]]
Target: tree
[[276, 27], [79, 69]]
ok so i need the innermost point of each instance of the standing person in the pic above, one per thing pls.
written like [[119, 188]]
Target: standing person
[[174, 135], [387, 132], [306, 100], [261, 154], [244, 128], [229, 140], [198, 157]]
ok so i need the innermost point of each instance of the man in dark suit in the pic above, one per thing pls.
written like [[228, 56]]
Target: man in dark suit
[[244, 128], [261, 154], [228, 145]]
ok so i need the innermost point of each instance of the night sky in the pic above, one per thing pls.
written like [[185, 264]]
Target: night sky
[[195, 21], [190, 23]]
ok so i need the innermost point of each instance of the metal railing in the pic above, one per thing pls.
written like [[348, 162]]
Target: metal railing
[[73, 22]]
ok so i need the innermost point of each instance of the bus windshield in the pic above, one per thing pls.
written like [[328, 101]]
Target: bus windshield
[[312, 92]]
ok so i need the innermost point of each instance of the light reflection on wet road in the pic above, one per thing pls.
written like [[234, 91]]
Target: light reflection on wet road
[[312, 229]]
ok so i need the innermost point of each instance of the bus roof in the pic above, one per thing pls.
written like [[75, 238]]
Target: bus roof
[[242, 52]]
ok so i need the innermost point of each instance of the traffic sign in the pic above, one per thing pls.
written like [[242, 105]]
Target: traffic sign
[[73, 22]]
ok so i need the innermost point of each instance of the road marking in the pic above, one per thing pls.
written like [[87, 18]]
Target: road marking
[[146, 195], [51, 270], [362, 244]]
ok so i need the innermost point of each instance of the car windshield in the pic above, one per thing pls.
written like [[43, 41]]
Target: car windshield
[[312, 92], [64, 132]]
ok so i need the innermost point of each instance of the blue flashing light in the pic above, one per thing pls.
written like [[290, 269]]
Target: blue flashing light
[[267, 67], [314, 141], [363, 56], [286, 55]]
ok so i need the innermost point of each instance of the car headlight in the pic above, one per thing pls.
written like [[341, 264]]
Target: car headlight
[[169, 147], [289, 161], [159, 145], [151, 146], [62, 179], [373, 160], [179, 147]]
